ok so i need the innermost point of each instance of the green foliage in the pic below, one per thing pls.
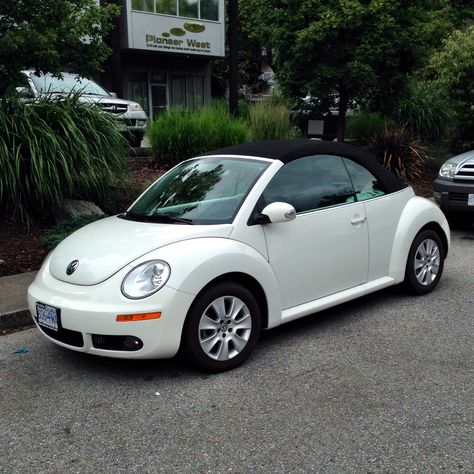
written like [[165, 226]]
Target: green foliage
[[66, 227], [270, 120], [364, 125], [452, 68], [48, 36], [427, 110], [359, 50], [437, 154], [395, 147], [54, 149], [180, 134]]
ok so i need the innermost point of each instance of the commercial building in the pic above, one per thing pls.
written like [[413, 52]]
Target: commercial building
[[162, 51]]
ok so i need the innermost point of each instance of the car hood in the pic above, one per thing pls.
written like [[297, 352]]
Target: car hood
[[104, 247], [463, 158]]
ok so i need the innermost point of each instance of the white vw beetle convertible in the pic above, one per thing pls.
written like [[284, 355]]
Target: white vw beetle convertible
[[223, 245]]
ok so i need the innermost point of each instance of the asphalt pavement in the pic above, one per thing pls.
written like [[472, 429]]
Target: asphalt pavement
[[381, 384]]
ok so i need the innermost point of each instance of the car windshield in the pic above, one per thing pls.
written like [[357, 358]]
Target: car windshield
[[47, 84], [200, 191]]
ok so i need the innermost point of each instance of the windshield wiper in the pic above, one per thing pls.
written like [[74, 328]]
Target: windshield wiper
[[158, 218]]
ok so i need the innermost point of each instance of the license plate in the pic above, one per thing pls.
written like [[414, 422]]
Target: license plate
[[470, 199], [48, 316]]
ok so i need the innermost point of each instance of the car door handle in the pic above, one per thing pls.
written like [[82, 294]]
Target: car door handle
[[358, 220]]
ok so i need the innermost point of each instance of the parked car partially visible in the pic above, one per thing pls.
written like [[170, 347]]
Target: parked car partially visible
[[454, 187], [130, 116]]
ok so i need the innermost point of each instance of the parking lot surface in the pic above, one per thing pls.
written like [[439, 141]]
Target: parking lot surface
[[381, 384]]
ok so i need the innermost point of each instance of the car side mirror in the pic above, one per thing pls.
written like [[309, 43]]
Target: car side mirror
[[113, 94], [277, 212]]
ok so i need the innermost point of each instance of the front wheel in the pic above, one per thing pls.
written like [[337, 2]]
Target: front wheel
[[425, 262], [222, 327]]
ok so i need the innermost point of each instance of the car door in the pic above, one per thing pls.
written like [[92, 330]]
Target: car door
[[325, 249], [383, 213]]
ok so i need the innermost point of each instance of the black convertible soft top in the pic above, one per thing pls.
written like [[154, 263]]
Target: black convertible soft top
[[289, 150]]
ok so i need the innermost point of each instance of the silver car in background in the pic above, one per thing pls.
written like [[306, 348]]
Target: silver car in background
[[131, 117], [454, 188]]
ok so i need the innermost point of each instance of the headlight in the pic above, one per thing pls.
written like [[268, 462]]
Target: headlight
[[145, 279], [447, 170], [135, 107]]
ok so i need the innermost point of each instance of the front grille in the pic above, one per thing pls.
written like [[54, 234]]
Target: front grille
[[466, 172], [112, 108], [458, 197], [66, 336]]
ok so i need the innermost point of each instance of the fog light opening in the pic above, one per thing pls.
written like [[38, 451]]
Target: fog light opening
[[131, 343], [116, 343]]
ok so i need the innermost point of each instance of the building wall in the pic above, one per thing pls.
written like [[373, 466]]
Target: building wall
[[162, 60]]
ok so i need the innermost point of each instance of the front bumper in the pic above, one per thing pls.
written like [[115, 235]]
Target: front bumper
[[133, 122], [453, 195], [92, 310]]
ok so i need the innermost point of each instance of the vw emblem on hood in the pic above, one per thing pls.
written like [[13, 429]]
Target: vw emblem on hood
[[72, 267]]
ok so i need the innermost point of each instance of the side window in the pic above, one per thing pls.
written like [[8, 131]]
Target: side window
[[311, 183], [365, 184]]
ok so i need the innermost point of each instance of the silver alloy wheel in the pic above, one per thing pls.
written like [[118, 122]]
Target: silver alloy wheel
[[427, 260], [225, 328]]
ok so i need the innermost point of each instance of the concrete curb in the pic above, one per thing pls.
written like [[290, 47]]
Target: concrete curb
[[16, 319], [14, 312]]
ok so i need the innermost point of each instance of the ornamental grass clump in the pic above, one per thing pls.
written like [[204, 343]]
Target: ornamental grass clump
[[270, 120], [55, 148], [401, 153], [363, 125], [179, 134]]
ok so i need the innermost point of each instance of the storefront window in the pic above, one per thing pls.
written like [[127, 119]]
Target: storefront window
[[167, 7], [178, 92], [210, 9], [195, 86], [158, 93], [188, 8], [187, 91], [143, 5], [204, 9], [138, 89]]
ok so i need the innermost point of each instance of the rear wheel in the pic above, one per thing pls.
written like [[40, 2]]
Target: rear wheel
[[222, 327], [425, 262]]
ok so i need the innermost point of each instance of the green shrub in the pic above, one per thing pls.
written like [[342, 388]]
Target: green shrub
[[53, 149], [427, 111], [66, 227], [180, 134], [269, 120], [395, 147], [363, 125]]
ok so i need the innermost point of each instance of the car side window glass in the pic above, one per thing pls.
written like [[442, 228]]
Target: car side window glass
[[365, 184], [310, 183]]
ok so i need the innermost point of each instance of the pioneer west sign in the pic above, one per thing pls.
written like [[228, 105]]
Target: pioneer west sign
[[154, 32]]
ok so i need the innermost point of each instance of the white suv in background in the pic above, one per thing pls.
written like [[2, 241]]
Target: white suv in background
[[131, 117]]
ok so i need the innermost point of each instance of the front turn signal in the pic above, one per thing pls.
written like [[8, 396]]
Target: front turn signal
[[126, 318]]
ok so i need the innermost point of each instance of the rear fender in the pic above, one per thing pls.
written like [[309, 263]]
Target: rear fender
[[418, 213]]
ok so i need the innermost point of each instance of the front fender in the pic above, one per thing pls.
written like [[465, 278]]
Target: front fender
[[196, 262], [417, 213]]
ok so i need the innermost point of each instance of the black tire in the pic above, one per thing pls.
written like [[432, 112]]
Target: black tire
[[413, 271], [222, 336]]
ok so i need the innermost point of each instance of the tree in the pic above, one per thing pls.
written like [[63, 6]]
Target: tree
[[452, 68], [346, 50], [52, 36]]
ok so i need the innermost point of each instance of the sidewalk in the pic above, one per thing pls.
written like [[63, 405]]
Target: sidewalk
[[13, 306]]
